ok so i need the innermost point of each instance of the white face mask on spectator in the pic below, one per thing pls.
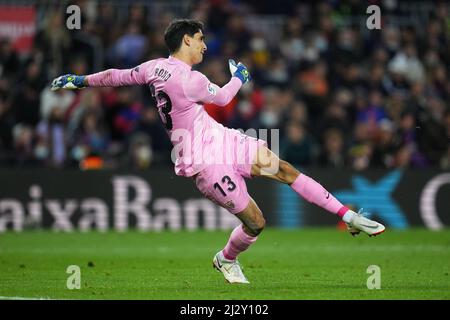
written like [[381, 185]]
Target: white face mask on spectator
[[41, 152], [78, 153], [269, 119]]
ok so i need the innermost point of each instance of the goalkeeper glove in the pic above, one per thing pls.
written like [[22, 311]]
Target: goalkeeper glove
[[68, 81], [239, 70]]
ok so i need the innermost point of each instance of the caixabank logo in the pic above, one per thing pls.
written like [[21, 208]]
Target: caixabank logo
[[118, 202], [397, 198], [377, 198], [154, 200]]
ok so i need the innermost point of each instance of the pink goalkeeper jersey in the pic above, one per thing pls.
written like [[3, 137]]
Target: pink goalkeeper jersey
[[180, 93]]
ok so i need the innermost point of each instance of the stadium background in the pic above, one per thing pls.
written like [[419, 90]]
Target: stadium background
[[350, 102], [365, 112]]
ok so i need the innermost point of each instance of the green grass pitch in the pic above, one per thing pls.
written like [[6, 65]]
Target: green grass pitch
[[317, 263]]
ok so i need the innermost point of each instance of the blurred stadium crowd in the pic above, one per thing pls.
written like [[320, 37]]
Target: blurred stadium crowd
[[342, 95]]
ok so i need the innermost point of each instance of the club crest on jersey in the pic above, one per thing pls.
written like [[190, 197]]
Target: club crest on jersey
[[229, 205], [211, 89]]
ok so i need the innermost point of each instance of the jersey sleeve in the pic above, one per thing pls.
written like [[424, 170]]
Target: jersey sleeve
[[200, 89], [122, 77]]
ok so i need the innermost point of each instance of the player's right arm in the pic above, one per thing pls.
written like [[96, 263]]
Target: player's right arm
[[107, 78], [200, 89]]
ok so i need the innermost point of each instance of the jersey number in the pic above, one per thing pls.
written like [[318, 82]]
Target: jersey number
[[166, 107], [230, 184]]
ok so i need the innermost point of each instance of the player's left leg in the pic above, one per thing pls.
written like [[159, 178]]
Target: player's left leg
[[268, 165]]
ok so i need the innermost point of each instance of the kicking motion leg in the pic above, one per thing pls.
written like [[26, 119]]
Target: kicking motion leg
[[270, 166], [240, 239]]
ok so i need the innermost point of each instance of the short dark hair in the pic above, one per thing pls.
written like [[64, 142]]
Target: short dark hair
[[177, 29]]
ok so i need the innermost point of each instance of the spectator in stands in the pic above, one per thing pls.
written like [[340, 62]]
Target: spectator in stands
[[380, 98], [89, 138], [333, 154], [130, 48], [51, 144], [149, 126], [23, 144], [26, 99], [299, 147], [385, 146], [372, 113]]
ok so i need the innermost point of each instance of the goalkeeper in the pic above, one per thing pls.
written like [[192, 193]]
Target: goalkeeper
[[218, 159]]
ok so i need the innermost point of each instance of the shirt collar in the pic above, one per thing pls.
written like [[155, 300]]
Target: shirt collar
[[174, 60]]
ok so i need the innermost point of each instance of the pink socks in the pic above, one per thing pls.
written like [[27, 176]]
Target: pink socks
[[239, 241], [313, 192]]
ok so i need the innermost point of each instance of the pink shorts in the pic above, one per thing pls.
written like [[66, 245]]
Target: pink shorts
[[224, 183]]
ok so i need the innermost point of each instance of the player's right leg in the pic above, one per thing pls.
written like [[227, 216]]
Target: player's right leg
[[241, 238], [226, 187], [268, 165]]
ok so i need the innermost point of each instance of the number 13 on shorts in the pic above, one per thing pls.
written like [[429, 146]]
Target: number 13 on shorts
[[225, 186], [231, 186]]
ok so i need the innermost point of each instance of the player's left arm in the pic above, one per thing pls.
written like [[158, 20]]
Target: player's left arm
[[205, 91], [107, 78]]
